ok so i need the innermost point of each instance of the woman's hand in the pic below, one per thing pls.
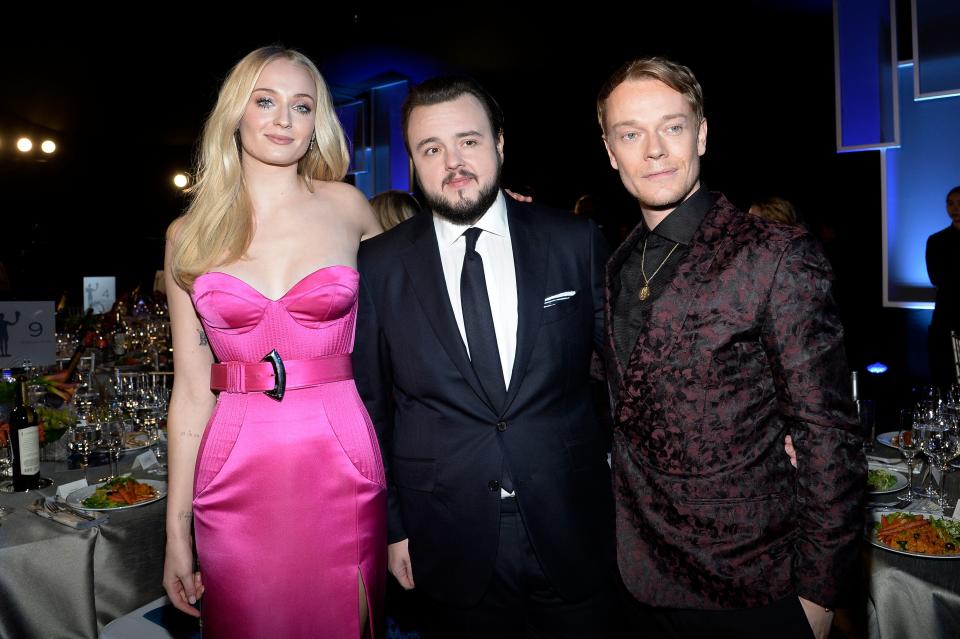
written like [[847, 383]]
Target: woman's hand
[[182, 584]]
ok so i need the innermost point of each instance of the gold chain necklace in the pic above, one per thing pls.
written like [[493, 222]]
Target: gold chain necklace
[[645, 289]]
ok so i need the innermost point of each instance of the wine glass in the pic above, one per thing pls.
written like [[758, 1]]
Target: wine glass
[[111, 437], [928, 402], [906, 443], [83, 437], [6, 463], [941, 443], [927, 412], [867, 416], [6, 470], [157, 399]]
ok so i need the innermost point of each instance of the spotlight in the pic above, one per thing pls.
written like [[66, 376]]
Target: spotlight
[[180, 180], [48, 146], [24, 145]]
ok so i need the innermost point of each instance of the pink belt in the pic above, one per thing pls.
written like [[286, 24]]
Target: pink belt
[[273, 376]]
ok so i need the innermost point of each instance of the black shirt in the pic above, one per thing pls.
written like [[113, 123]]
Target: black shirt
[[676, 230]]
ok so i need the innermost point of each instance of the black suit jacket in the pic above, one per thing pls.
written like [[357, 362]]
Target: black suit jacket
[[944, 273], [444, 445]]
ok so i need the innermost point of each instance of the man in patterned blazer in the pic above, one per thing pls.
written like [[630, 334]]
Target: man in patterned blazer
[[723, 338]]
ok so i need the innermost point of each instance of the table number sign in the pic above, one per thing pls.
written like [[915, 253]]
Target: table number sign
[[27, 333], [99, 293]]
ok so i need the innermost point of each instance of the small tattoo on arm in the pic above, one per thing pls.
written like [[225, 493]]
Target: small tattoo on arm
[[203, 337], [187, 433], [185, 515]]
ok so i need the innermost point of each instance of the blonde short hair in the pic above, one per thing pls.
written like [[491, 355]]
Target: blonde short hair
[[674, 75]]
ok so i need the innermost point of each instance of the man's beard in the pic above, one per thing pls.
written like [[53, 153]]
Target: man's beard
[[464, 213]]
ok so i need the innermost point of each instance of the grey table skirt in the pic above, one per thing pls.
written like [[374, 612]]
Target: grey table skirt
[[912, 597], [59, 582]]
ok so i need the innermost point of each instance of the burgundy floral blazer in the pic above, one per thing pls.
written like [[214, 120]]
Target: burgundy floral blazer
[[742, 348]]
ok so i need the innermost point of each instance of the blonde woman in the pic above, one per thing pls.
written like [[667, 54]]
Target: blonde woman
[[274, 465], [393, 207]]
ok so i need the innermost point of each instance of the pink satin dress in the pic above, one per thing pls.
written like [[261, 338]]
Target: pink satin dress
[[289, 496]]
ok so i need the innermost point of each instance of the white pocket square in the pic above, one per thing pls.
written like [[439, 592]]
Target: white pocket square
[[557, 298]]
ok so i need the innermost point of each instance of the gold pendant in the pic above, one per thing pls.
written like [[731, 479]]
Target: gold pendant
[[644, 292]]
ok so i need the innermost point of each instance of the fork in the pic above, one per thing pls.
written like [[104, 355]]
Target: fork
[[54, 507]]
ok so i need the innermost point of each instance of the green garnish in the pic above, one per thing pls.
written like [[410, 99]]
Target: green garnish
[[949, 529], [98, 500], [879, 479]]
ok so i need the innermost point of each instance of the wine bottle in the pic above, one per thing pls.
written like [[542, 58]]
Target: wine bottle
[[24, 440]]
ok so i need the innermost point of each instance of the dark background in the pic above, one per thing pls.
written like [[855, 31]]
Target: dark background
[[125, 97]]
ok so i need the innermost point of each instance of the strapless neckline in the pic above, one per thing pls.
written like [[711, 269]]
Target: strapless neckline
[[301, 281]]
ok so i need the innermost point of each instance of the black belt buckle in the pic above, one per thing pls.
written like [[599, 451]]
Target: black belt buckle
[[279, 375]]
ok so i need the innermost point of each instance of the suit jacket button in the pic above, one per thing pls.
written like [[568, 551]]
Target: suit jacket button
[[493, 484], [501, 426]]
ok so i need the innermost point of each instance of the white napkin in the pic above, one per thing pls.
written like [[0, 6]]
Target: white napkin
[[68, 518], [927, 506], [889, 463], [145, 460], [65, 489]]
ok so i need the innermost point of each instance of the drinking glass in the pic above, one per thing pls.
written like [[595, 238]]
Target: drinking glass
[[941, 443], [906, 443]]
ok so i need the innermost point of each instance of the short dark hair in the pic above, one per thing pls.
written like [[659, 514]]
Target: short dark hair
[[955, 189], [447, 89]]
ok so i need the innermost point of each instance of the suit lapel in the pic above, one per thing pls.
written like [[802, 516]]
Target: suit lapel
[[530, 249], [422, 262]]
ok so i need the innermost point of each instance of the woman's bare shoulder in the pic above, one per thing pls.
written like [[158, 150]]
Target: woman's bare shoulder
[[339, 193], [175, 227], [348, 203]]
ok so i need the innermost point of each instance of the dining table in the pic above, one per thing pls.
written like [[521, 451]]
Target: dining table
[[57, 581], [908, 596]]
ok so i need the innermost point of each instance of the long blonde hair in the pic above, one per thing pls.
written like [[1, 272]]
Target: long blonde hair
[[218, 225]]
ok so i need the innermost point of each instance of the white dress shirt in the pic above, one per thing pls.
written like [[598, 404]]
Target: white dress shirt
[[495, 249]]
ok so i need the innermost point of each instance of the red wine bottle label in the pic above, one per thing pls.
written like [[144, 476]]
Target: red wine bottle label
[[29, 450]]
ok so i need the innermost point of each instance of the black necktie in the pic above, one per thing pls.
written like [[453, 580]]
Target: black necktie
[[478, 322]]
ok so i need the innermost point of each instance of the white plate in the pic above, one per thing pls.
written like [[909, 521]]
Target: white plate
[[76, 498], [886, 438], [900, 485], [137, 440], [872, 537]]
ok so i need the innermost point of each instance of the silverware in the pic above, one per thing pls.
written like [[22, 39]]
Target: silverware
[[79, 513], [54, 507], [901, 503]]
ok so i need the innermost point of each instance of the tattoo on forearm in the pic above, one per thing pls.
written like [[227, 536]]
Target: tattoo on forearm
[[188, 515], [187, 433], [203, 337]]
